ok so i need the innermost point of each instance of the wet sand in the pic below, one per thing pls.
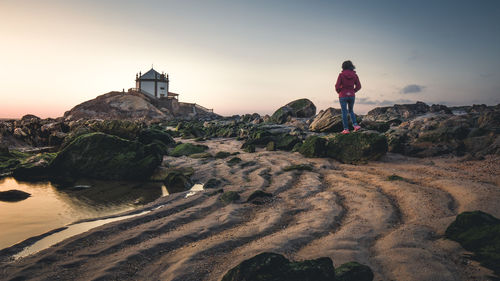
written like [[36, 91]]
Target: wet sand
[[345, 212]]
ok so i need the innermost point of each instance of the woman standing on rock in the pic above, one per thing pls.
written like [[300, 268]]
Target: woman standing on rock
[[347, 85]]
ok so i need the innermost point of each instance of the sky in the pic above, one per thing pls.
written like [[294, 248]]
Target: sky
[[248, 56]]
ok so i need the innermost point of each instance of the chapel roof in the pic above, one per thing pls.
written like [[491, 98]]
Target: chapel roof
[[151, 74]]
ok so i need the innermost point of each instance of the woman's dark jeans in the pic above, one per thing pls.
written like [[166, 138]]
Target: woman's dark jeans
[[345, 103]]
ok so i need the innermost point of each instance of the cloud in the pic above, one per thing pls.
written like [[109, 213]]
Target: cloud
[[412, 88], [368, 101]]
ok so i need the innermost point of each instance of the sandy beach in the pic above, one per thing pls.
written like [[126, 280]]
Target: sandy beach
[[345, 212]]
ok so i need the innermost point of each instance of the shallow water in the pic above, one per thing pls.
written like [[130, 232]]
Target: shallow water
[[81, 227], [50, 208]]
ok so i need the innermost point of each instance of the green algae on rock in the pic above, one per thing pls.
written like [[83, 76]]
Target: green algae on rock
[[353, 271], [479, 233], [275, 267], [313, 146], [357, 147], [229, 197], [102, 156], [186, 149]]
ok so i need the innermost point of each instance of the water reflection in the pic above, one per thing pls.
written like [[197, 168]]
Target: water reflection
[[50, 208]]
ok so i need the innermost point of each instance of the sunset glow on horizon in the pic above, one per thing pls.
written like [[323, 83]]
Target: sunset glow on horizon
[[242, 57]]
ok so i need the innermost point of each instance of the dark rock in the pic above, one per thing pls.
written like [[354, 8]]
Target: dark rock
[[302, 108], [250, 148], [313, 146], [357, 147], [147, 136], [286, 142], [479, 233], [298, 167], [229, 197], [353, 271], [34, 168], [271, 146], [234, 161], [103, 156], [329, 120], [275, 267], [381, 127], [187, 149], [259, 197], [212, 183], [177, 181], [222, 154], [13, 195]]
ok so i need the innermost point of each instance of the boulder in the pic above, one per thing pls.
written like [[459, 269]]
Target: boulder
[[34, 168], [313, 146], [177, 181], [229, 197], [147, 136], [328, 120], [186, 149], [271, 266], [13, 195], [353, 271], [357, 147], [259, 197], [479, 233], [102, 156], [302, 108]]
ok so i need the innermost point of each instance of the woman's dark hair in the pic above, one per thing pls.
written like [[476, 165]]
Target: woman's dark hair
[[348, 65]]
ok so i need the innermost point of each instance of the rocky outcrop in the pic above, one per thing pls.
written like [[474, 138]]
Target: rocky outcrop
[[271, 266], [479, 233], [357, 147], [117, 105], [328, 120], [103, 156], [301, 108], [397, 113], [31, 130]]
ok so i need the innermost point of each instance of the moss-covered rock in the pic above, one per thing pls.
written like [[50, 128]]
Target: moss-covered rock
[[249, 148], [479, 233], [357, 147], [298, 167], [148, 136], [202, 155], [178, 181], [313, 146], [102, 156], [271, 146], [259, 197], [34, 168], [186, 149], [275, 267], [212, 183], [229, 197], [234, 161], [353, 271], [286, 142], [222, 154], [302, 108], [13, 195]]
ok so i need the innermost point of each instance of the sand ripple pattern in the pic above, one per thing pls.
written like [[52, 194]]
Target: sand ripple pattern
[[346, 212]]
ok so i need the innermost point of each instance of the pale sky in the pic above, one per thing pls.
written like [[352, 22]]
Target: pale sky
[[248, 56]]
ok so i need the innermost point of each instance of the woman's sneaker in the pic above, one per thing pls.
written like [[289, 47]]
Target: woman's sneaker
[[357, 128], [345, 132]]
